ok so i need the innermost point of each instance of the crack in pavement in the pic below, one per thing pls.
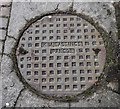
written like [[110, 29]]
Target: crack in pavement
[[15, 102], [3, 46], [20, 93], [12, 37]]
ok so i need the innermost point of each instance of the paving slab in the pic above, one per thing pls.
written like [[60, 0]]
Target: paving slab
[[2, 34], [11, 86], [5, 2], [3, 22], [4, 11], [9, 44], [28, 99], [104, 99]]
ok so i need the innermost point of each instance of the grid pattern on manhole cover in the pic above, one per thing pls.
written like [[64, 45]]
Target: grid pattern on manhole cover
[[64, 54]]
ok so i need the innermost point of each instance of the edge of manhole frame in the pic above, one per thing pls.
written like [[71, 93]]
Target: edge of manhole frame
[[111, 52]]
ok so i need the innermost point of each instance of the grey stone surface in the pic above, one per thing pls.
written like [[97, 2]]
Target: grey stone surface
[[11, 86], [1, 44], [28, 99], [2, 34], [5, 2], [4, 11], [9, 44], [102, 99], [3, 22]]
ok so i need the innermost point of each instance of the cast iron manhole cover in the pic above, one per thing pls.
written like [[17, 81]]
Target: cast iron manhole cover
[[61, 54]]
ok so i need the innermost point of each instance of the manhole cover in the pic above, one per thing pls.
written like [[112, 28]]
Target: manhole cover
[[61, 54]]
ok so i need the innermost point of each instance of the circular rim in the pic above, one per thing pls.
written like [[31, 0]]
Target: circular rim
[[95, 86]]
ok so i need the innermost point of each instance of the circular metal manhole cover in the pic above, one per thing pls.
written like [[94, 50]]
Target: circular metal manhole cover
[[61, 54]]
